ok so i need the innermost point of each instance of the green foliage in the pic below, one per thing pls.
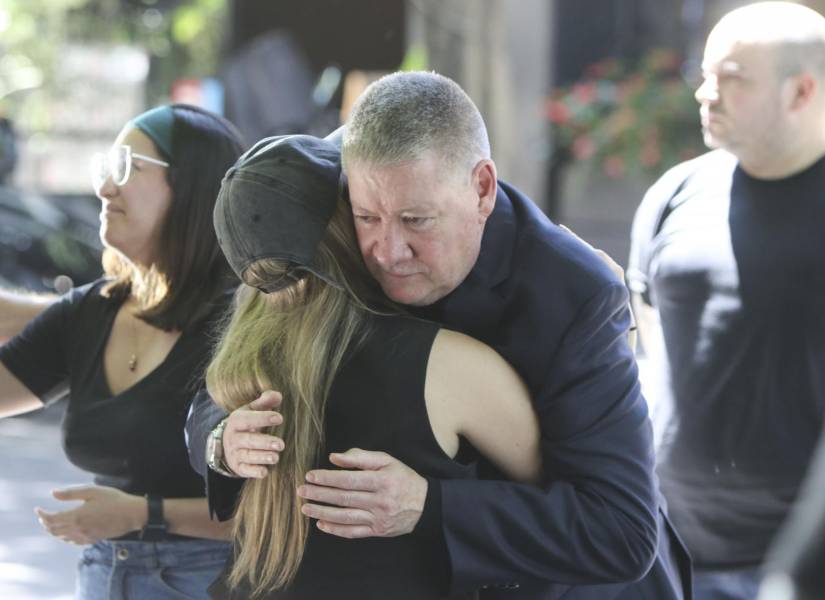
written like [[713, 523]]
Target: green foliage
[[628, 120], [196, 28], [415, 59], [183, 40]]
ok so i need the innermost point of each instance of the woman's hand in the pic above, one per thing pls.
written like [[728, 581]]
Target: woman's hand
[[105, 512]]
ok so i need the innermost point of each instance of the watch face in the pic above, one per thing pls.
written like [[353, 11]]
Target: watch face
[[211, 454]]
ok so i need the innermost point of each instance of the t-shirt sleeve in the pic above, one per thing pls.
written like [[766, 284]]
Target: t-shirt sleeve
[[647, 224], [38, 356]]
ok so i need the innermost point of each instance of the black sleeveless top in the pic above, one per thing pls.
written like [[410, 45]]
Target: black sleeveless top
[[377, 403]]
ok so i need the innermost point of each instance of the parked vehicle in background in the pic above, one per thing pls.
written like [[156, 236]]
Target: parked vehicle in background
[[48, 243]]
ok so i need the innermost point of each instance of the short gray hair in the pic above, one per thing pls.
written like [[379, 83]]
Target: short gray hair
[[404, 115]]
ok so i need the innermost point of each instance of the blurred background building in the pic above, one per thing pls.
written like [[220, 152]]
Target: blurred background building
[[587, 101]]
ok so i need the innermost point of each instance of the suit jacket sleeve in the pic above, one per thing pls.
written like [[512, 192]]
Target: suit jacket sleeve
[[221, 491], [595, 520]]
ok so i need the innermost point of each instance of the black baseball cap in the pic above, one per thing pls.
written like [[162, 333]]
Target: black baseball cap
[[276, 202]]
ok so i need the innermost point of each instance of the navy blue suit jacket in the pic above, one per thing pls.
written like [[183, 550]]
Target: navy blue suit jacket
[[595, 529]]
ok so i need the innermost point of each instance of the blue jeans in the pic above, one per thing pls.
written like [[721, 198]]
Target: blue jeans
[[175, 570], [735, 584]]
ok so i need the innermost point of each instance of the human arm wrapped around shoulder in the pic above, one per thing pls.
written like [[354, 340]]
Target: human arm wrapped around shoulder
[[471, 391], [595, 518]]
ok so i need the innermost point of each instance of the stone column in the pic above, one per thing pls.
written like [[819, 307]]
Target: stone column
[[499, 52]]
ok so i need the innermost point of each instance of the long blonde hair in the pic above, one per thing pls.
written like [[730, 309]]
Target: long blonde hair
[[294, 341]]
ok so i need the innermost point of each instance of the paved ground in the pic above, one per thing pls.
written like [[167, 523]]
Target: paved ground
[[33, 565]]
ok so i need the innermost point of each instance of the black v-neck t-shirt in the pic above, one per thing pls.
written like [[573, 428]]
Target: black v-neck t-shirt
[[134, 440]]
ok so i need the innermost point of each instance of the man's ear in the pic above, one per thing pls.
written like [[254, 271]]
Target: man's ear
[[803, 89], [485, 187]]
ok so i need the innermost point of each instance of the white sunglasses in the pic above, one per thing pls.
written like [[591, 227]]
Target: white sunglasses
[[117, 164]]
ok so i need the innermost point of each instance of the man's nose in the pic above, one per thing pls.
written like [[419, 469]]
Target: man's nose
[[708, 91], [391, 247]]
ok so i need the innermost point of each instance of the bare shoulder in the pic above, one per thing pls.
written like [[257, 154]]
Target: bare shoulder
[[450, 344], [465, 368], [458, 357], [471, 391]]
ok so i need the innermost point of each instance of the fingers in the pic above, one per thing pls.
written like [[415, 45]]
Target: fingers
[[337, 516], [247, 451], [249, 420], [268, 400], [341, 498], [346, 531], [74, 493], [44, 514], [237, 441], [601, 253], [366, 481], [257, 457], [355, 458], [575, 235], [56, 518], [61, 526], [248, 454], [611, 264], [249, 471], [604, 256]]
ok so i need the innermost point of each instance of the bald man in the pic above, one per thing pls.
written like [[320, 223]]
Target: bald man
[[728, 278]]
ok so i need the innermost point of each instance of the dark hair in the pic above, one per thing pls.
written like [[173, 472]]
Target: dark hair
[[190, 271]]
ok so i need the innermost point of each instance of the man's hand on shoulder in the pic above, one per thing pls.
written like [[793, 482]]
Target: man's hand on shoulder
[[246, 451], [374, 495], [618, 271]]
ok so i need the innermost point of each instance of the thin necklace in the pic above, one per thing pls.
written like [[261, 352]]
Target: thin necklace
[[133, 360]]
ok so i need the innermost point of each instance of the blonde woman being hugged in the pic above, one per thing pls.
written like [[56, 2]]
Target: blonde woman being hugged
[[353, 372], [129, 349]]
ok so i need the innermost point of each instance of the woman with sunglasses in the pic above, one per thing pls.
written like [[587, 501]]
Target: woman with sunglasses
[[130, 350]]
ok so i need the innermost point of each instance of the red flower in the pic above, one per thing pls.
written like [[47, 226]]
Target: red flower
[[583, 147], [584, 92], [595, 71], [613, 166], [650, 155], [557, 112]]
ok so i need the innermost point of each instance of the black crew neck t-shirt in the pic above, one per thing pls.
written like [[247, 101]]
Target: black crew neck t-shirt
[[134, 440], [735, 267]]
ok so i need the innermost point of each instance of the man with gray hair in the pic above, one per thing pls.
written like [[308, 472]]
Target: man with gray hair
[[727, 272], [442, 236]]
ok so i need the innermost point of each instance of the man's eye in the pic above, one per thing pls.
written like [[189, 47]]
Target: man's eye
[[366, 219], [417, 221]]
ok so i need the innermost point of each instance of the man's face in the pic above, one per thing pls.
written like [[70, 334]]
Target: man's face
[[419, 228], [740, 97]]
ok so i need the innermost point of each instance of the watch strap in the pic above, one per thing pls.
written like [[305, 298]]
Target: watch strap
[[155, 528], [215, 459]]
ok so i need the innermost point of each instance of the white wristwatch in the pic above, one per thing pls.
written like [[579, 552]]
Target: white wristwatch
[[214, 451]]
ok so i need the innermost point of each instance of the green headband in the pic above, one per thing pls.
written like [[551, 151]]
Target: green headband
[[157, 124]]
